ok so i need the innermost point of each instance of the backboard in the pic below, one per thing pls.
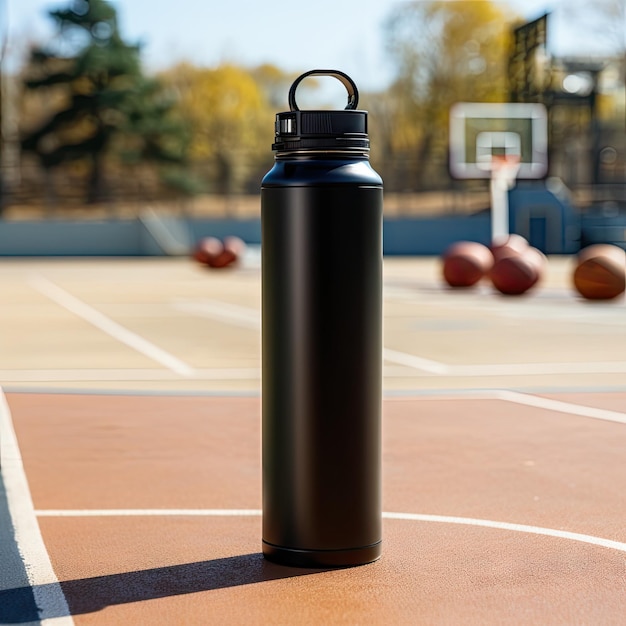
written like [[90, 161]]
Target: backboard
[[480, 131]]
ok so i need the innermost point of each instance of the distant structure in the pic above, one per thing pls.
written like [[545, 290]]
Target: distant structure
[[586, 101]]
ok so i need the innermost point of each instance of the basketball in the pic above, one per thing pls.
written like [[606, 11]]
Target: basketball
[[514, 273], [600, 272], [465, 263], [235, 248], [207, 250], [212, 252], [501, 246]]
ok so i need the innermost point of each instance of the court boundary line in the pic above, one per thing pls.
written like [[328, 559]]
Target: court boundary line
[[401, 360], [249, 318], [560, 406], [112, 328], [524, 398], [415, 517], [45, 586], [174, 393], [124, 374], [415, 362], [220, 311], [445, 393], [535, 401]]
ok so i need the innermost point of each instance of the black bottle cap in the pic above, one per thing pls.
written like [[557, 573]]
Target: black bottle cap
[[298, 130]]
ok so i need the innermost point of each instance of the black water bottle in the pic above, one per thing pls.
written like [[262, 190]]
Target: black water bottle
[[322, 338]]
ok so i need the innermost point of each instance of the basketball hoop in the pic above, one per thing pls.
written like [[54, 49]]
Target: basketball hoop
[[501, 142], [480, 130]]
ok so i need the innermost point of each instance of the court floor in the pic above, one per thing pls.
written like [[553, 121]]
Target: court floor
[[130, 440]]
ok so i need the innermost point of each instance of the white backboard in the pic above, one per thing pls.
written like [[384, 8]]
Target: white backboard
[[479, 131]]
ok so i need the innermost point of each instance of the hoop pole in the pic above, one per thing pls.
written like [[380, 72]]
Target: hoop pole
[[499, 208], [503, 176]]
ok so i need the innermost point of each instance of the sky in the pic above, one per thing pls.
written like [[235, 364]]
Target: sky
[[294, 35]]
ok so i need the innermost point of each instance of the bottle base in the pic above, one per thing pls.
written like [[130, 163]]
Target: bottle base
[[322, 558]]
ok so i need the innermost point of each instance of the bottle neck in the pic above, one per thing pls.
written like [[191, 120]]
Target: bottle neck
[[342, 155]]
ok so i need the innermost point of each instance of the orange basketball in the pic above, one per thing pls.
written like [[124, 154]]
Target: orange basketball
[[465, 263], [212, 252], [235, 248], [514, 273], [600, 272], [508, 243], [208, 250]]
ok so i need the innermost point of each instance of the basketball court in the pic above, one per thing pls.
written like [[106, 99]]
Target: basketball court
[[131, 453]]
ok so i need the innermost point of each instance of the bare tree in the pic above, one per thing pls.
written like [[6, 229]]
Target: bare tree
[[606, 19]]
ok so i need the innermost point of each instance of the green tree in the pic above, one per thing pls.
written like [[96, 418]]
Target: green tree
[[106, 101], [149, 133], [444, 52]]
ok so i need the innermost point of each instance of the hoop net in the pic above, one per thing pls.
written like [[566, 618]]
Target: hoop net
[[504, 168]]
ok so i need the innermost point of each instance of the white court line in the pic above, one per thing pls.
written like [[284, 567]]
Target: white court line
[[111, 328], [415, 362], [481, 370], [86, 375], [403, 361], [247, 317], [147, 512], [413, 517], [537, 369], [560, 406], [527, 399], [520, 528], [45, 585], [226, 312]]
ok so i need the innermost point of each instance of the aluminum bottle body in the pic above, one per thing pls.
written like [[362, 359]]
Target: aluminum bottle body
[[322, 361]]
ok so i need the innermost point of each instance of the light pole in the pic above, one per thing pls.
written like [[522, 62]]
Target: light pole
[[9, 135]]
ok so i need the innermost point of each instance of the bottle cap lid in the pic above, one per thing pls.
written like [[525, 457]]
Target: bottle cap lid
[[298, 130]]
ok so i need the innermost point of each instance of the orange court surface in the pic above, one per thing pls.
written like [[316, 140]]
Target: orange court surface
[[131, 471]]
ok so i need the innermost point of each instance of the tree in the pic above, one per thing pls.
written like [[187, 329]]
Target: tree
[[149, 133], [444, 52], [230, 118], [607, 19], [274, 84], [104, 96]]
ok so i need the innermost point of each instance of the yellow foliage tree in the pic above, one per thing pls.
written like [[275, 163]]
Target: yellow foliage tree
[[274, 83], [444, 52], [230, 119]]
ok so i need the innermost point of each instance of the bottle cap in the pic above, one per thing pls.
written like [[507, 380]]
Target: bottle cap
[[298, 131]]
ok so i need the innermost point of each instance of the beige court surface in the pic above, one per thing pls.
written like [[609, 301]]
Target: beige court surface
[[173, 325], [130, 467]]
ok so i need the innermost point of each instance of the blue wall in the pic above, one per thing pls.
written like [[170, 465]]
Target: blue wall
[[248, 230], [401, 236], [604, 229], [68, 238], [431, 236], [545, 217]]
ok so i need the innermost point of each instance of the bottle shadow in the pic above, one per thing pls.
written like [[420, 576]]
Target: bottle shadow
[[88, 595]]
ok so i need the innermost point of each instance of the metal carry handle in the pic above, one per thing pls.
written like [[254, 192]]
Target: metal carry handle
[[346, 81]]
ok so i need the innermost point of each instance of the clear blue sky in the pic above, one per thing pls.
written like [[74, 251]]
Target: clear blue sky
[[295, 35]]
